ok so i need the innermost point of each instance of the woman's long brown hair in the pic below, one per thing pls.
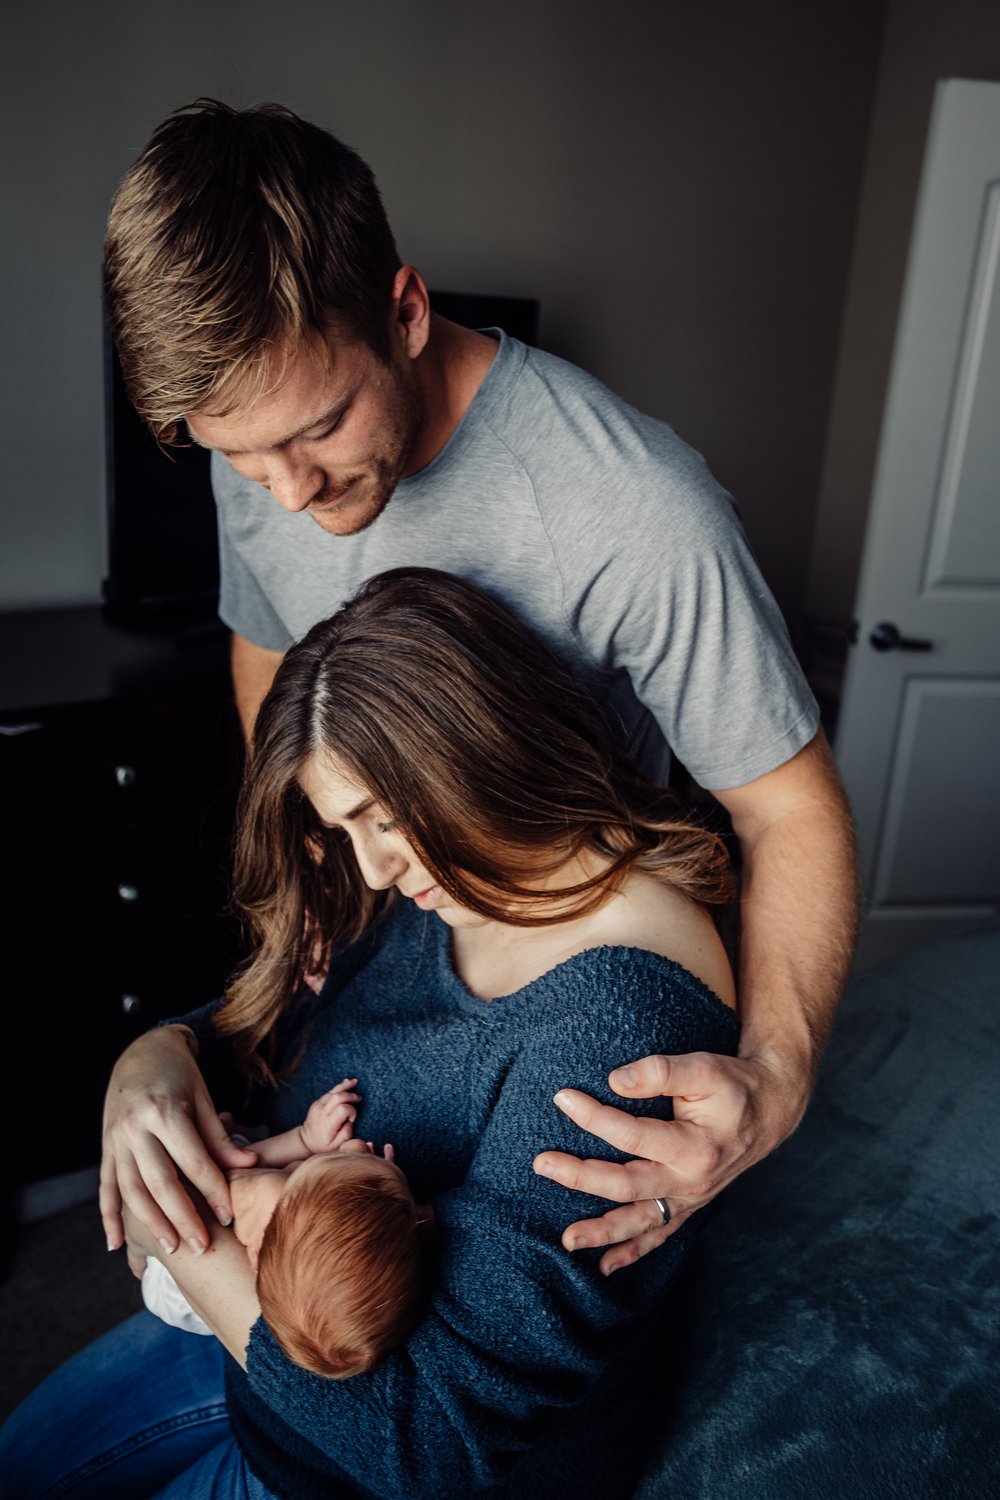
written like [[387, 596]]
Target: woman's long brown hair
[[495, 764]]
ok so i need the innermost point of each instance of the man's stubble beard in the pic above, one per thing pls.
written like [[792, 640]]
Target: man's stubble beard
[[408, 420]]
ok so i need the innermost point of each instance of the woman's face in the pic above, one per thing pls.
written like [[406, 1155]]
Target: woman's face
[[384, 857]]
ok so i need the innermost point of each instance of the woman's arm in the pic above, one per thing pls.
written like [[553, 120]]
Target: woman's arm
[[218, 1283], [158, 1118]]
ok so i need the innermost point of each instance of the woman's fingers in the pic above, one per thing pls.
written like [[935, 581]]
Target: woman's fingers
[[158, 1119], [150, 1185], [136, 1263], [204, 1170], [110, 1202]]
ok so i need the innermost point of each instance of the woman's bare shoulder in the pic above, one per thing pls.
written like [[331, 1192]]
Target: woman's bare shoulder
[[648, 914]]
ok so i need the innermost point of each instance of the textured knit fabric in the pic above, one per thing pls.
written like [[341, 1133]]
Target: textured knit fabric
[[596, 525], [526, 1377]]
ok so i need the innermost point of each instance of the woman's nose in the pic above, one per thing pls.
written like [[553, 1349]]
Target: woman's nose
[[381, 865], [294, 482]]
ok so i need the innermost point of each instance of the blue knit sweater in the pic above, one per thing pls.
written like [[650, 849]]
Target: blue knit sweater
[[526, 1376]]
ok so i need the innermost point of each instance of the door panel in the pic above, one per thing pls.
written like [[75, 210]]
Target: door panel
[[941, 836], [918, 739]]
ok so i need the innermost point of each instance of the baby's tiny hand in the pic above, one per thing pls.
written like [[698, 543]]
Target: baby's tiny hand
[[330, 1121]]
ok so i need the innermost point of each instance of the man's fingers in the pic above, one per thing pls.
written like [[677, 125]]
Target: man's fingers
[[632, 1231], [679, 1145], [619, 1129], [616, 1226], [691, 1074], [621, 1182], [634, 1249]]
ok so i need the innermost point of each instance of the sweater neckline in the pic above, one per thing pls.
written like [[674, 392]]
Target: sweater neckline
[[528, 994]]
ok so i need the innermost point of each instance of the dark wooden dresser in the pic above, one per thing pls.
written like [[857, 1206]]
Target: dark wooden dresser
[[120, 756]]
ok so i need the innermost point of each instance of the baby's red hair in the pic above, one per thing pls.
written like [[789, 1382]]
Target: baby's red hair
[[339, 1273]]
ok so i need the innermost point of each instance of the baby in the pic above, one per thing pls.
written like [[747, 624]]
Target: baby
[[332, 1231]]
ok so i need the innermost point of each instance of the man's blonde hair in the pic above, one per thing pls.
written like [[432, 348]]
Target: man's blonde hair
[[235, 237]]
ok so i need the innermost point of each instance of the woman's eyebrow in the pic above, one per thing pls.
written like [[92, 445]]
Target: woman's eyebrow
[[355, 812]]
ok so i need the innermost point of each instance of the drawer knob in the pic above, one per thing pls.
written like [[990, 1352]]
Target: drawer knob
[[128, 893], [131, 1004], [125, 775]]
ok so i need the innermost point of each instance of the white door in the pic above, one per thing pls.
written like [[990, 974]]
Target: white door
[[918, 739]]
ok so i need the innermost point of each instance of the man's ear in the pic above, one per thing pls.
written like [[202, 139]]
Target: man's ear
[[411, 310]]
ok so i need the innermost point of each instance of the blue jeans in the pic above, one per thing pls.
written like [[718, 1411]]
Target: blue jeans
[[139, 1415]]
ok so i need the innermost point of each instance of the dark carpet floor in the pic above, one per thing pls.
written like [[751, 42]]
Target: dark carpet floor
[[63, 1290]]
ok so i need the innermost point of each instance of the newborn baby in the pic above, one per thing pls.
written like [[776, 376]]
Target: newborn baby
[[332, 1231]]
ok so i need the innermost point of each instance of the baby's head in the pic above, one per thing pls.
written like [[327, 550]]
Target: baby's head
[[335, 1244]]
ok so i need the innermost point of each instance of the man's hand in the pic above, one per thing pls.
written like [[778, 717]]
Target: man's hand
[[158, 1117], [728, 1114], [798, 901]]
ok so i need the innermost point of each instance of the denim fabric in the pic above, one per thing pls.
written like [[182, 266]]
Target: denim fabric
[[141, 1413]]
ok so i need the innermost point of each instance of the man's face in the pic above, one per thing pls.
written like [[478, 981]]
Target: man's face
[[333, 438]]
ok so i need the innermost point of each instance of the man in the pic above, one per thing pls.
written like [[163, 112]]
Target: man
[[260, 307]]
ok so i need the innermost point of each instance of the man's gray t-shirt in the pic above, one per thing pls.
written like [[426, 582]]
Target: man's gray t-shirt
[[604, 533]]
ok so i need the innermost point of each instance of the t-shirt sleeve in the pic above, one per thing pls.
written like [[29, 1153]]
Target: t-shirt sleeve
[[680, 605], [243, 605], [518, 1328]]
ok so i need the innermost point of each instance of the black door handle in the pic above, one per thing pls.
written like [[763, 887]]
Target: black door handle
[[886, 637]]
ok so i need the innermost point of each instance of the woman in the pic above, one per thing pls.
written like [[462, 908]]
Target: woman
[[434, 814]]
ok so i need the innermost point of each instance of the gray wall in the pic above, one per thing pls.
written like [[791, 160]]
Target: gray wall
[[677, 183], [924, 40]]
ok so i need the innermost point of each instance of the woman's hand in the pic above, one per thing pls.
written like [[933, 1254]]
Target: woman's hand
[[139, 1244], [158, 1117], [728, 1114]]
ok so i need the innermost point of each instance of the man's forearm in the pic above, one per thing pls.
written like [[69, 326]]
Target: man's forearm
[[253, 670], [799, 913], [799, 921]]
